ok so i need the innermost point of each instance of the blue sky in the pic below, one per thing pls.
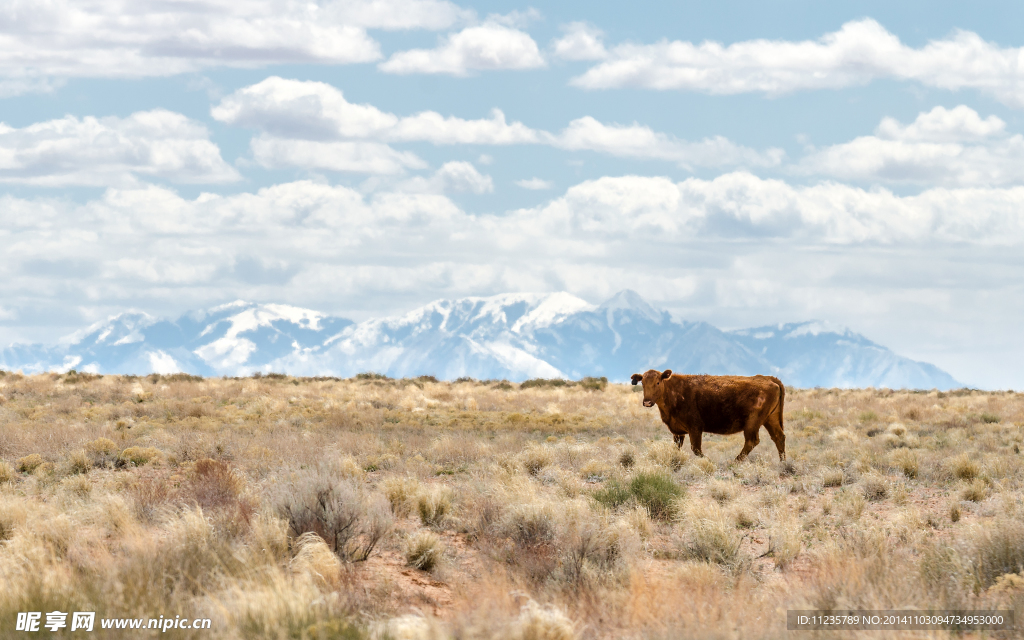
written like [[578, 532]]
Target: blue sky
[[741, 163]]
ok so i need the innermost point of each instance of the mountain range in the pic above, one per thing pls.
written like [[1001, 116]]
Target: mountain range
[[511, 336]]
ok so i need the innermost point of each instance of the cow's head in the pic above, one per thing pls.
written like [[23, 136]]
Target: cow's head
[[653, 382]]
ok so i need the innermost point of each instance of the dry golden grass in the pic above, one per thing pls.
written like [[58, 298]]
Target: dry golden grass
[[287, 508]]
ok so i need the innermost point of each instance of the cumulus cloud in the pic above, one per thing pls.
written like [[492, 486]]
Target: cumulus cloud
[[859, 52], [732, 250], [637, 141], [953, 147], [535, 184], [452, 176], [580, 42], [317, 111], [111, 151], [486, 47], [337, 155], [103, 39]]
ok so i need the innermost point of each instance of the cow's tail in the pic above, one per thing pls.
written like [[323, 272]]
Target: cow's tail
[[782, 397]]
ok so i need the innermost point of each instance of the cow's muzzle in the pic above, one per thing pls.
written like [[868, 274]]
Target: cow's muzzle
[[648, 403]]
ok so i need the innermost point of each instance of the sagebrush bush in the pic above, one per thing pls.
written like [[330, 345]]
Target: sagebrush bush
[[338, 511]]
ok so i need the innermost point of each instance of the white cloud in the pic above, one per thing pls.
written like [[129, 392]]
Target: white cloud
[[103, 39], [637, 141], [430, 126], [297, 109], [740, 205], [487, 47], [452, 176], [356, 157], [535, 184], [861, 51], [318, 111], [315, 111], [111, 151], [953, 147], [737, 250], [580, 42]]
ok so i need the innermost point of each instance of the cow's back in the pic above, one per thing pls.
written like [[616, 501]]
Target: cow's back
[[725, 403]]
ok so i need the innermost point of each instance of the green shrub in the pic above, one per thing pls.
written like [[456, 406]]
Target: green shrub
[[657, 492], [613, 494], [989, 418], [594, 384]]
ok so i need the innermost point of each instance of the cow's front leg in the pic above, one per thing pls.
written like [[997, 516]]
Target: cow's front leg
[[695, 443], [678, 438]]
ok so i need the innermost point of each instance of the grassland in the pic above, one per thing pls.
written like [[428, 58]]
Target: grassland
[[286, 508]]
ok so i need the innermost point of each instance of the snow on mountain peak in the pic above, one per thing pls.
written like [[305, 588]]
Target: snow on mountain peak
[[814, 328], [552, 308], [629, 300], [122, 328]]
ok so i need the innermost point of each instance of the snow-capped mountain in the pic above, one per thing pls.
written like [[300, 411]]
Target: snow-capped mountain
[[232, 339], [514, 336]]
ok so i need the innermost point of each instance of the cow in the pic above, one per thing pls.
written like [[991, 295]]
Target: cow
[[725, 405]]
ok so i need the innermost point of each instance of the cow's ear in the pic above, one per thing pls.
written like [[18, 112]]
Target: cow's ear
[[636, 378], [665, 374]]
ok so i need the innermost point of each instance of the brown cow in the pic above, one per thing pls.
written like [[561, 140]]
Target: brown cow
[[717, 404]]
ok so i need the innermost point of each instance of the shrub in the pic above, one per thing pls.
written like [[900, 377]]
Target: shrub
[[974, 492], [906, 461], [721, 492], [102, 451], [401, 493], [29, 463], [530, 525], [213, 484], [712, 541], [594, 384], [874, 487], [657, 492], [138, 456], [536, 458], [784, 546], [541, 382], [963, 467], [954, 512], [612, 494], [77, 463], [627, 459], [423, 551], [434, 505], [666, 454], [989, 418], [832, 478], [997, 550], [336, 510]]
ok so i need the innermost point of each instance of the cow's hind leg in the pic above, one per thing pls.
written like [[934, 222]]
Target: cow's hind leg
[[774, 427], [751, 442]]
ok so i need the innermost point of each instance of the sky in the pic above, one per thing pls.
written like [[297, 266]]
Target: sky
[[740, 163]]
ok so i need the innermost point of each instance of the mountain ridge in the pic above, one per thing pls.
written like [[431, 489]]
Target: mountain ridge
[[513, 336]]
